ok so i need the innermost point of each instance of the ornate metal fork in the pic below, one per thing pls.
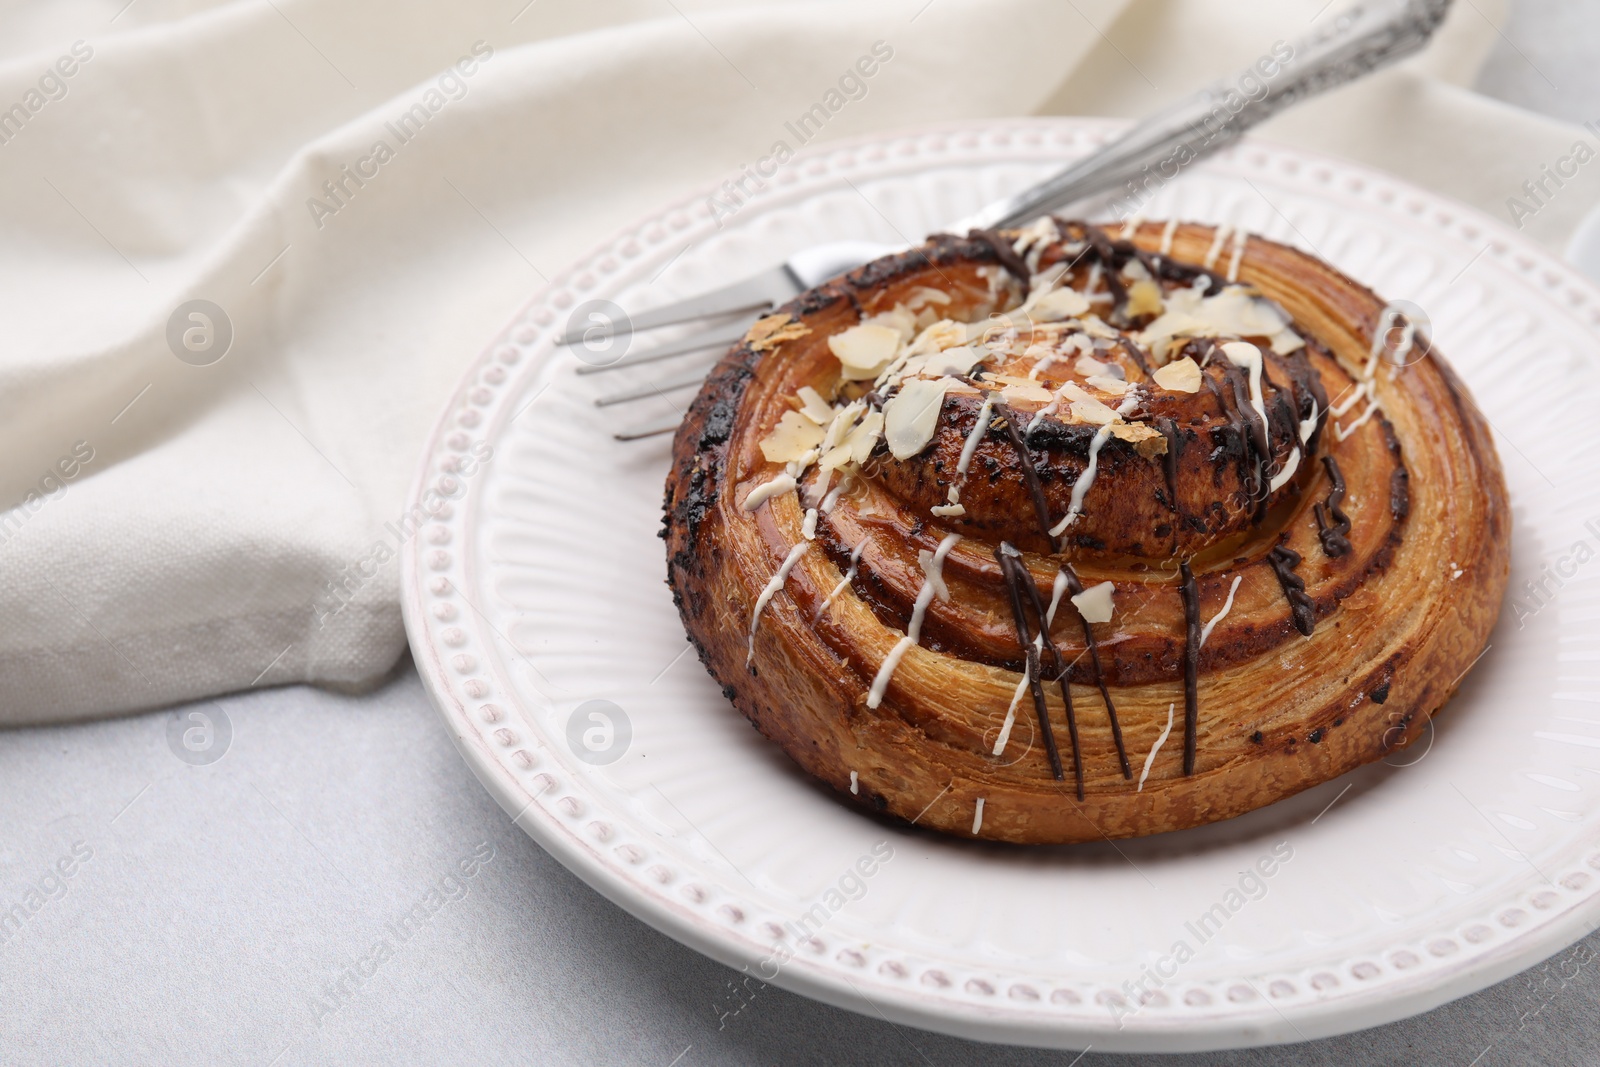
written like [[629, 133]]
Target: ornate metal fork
[[1361, 39]]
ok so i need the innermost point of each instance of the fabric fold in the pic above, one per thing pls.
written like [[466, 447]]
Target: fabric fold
[[250, 247]]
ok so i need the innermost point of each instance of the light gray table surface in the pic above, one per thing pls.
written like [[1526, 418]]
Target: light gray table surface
[[225, 913]]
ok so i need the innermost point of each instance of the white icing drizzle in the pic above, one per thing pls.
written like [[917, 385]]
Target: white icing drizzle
[[1011, 714], [1150, 760], [1239, 238], [1094, 283], [855, 783], [1045, 362], [1346, 431], [849, 576], [1040, 285], [1075, 344], [772, 590], [1281, 479], [1167, 235], [1034, 238], [1308, 426], [1408, 337], [766, 490], [1131, 227], [1367, 388], [1215, 250], [1056, 591], [833, 495], [1385, 324], [1079, 342], [1049, 409], [932, 582], [1205, 631], [817, 491], [970, 448], [1038, 416], [1244, 354], [1360, 390], [890, 662], [977, 816], [809, 525], [1086, 480], [1081, 486]]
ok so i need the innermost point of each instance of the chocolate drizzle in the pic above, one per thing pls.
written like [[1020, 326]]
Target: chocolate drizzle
[[1018, 583], [1191, 664], [1259, 448], [1115, 253], [1006, 254], [1075, 587], [1284, 561], [1139, 356], [1169, 468], [1247, 428], [1332, 534], [1017, 579], [1192, 493], [1112, 273], [1031, 475]]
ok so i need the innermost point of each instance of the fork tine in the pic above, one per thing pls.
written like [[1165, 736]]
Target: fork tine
[[649, 389], [717, 336], [650, 431], [766, 289]]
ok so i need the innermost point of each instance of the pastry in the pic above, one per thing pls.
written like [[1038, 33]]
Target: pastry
[[1071, 533]]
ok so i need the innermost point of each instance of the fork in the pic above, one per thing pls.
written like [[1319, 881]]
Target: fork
[[1361, 39]]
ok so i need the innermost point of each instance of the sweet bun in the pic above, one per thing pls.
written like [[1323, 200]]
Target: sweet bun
[[1065, 533]]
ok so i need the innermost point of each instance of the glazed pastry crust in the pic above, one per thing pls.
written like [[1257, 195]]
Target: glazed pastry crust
[[1398, 619]]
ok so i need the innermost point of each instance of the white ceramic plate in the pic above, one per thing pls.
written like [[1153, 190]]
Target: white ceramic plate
[[540, 587]]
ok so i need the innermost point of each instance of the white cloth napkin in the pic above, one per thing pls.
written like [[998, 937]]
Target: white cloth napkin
[[180, 523]]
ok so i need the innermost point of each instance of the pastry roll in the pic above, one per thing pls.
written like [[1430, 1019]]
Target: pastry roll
[[1065, 533]]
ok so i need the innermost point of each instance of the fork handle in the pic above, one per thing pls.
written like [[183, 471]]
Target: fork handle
[[1154, 151]]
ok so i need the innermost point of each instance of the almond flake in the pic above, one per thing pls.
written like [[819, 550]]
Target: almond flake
[[1106, 384], [923, 295], [1286, 341], [957, 360], [1095, 603], [861, 440], [1058, 304], [1144, 298], [772, 331], [1074, 391], [864, 350], [834, 458], [793, 437], [911, 416], [943, 334], [1032, 394], [1093, 411], [1095, 327], [1145, 439], [1090, 367], [1179, 376], [1015, 388], [813, 407], [896, 318]]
